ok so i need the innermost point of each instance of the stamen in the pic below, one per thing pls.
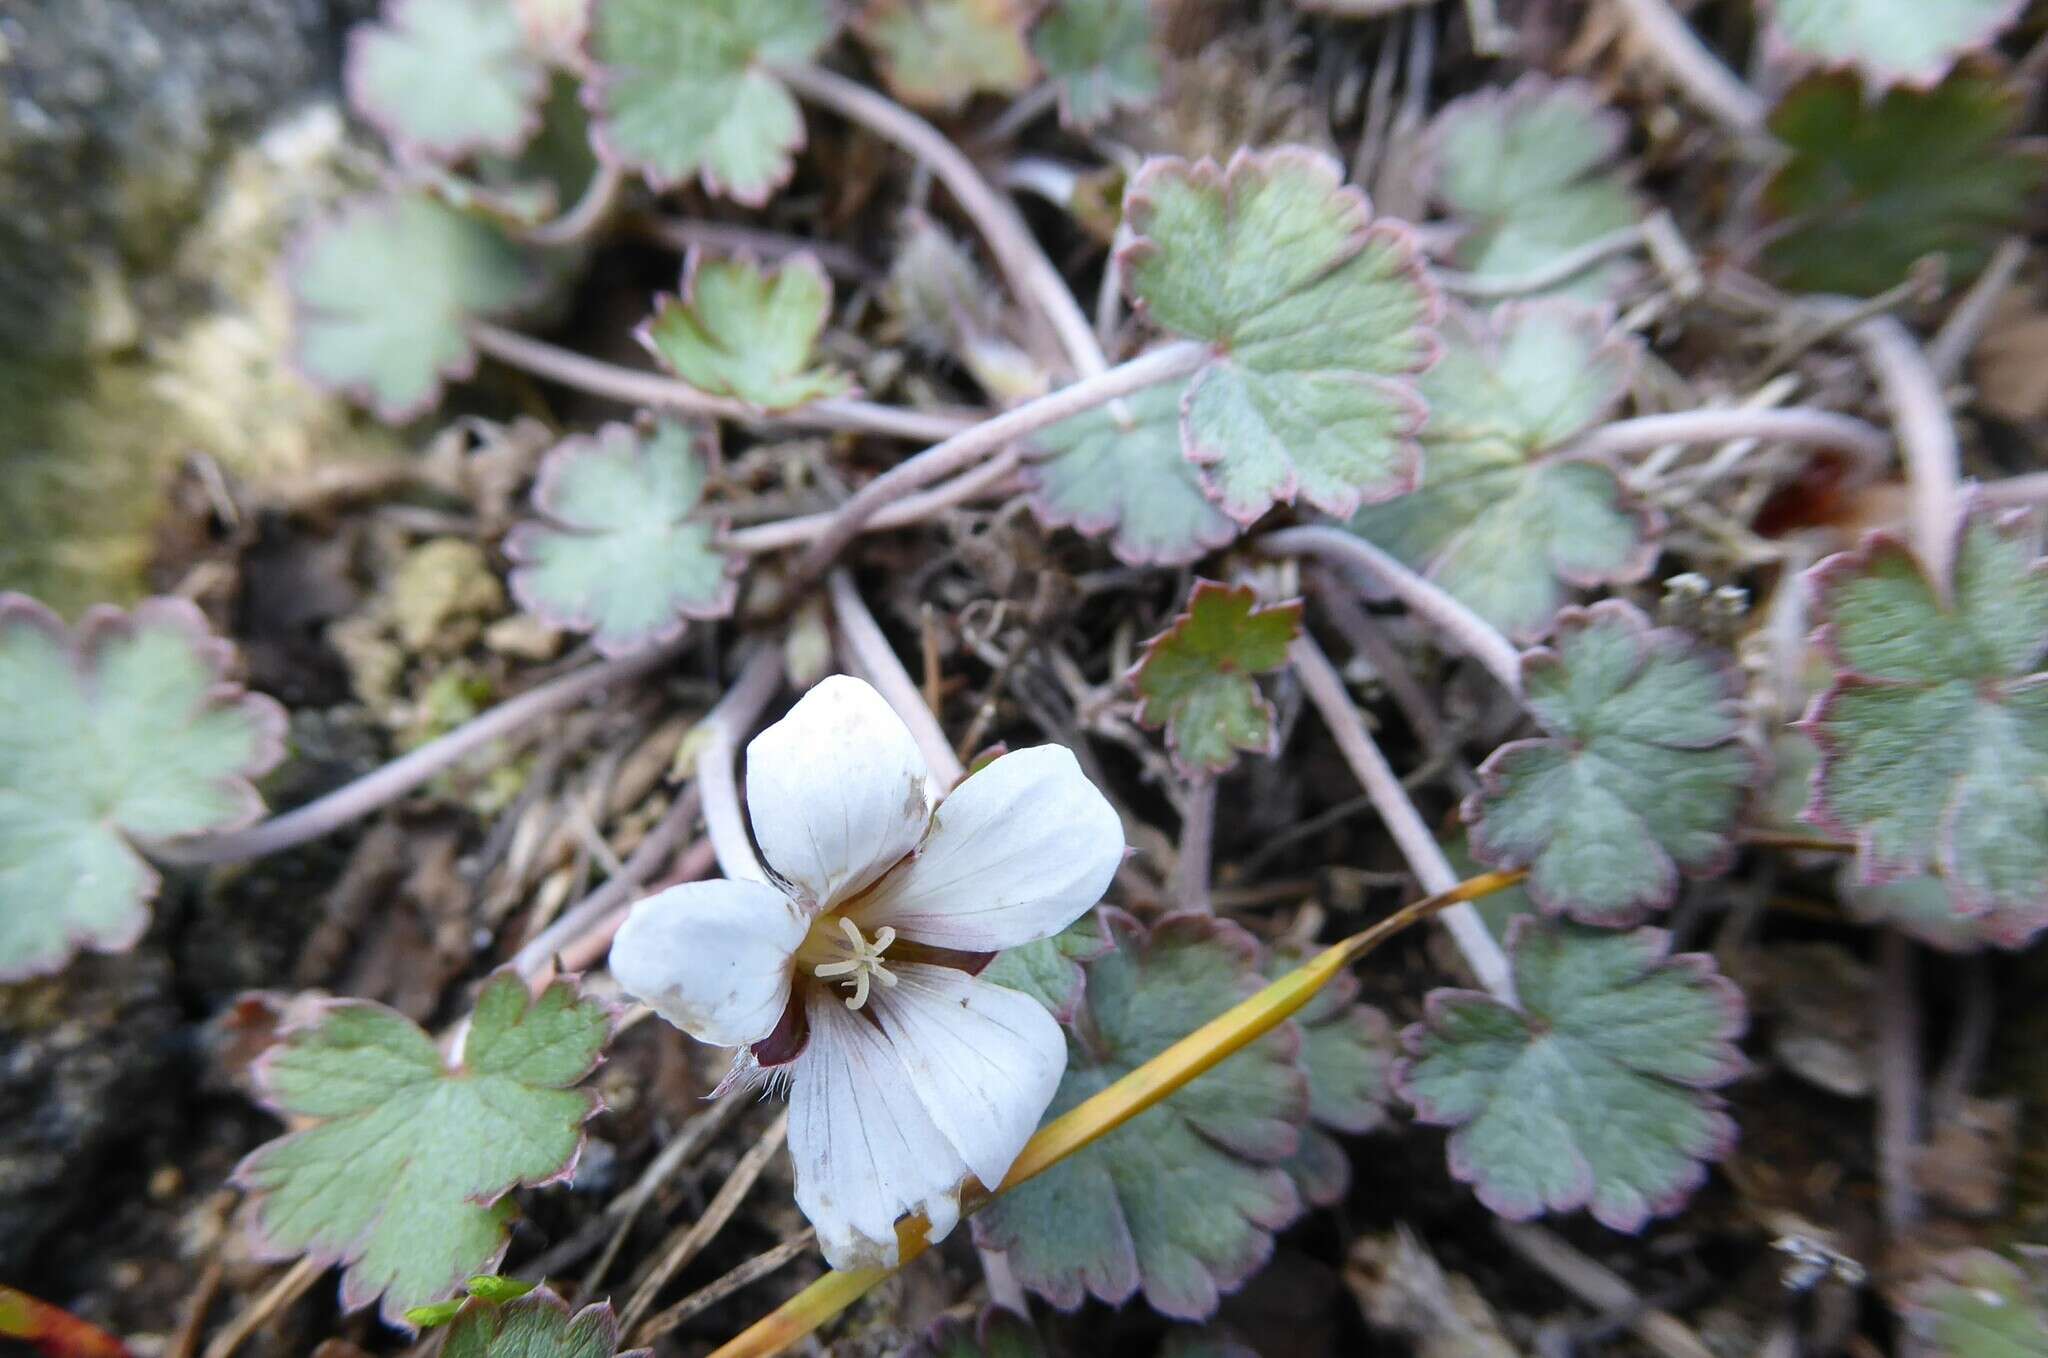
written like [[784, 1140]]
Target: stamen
[[863, 967]]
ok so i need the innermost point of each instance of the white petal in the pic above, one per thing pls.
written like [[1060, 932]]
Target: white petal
[[864, 1149], [837, 790], [1018, 852], [713, 958], [984, 1061]]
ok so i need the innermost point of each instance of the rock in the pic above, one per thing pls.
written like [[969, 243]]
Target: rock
[[82, 1074]]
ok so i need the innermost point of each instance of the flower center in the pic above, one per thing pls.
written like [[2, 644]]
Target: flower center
[[855, 962]]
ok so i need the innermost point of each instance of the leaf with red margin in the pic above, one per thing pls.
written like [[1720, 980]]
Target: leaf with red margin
[[1933, 735], [743, 331], [536, 1325], [938, 54], [404, 1174], [1910, 42], [1508, 520], [1180, 1202], [1195, 678], [1101, 55], [1643, 773], [1123, 473], [1594, 1092], [620, 548], [1319, 318], [685, 89], [383, 293], [1528, 171], [444, 78], [121, 731]]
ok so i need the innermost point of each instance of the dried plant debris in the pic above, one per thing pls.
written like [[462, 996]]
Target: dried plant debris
[[620, 547], [1508, 519], [385, 292], [683, 89], [1529, 173], [122, 731], [1644, 773], [748, 332], [1347, 1053], [1196, 678], [1116, 1219], [1592, 1090], [1319, 317], [402, 1169], [446, 78], [1934, 734], [1874, 185], [938, 54], [1912, 42]]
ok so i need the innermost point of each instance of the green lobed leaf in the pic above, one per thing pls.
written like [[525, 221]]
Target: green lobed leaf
[[1527, 170], [747, 332], [535, 1325], [1347, 1055], [1101, 56], [384, 293], [938, 54], [686, 89], [1934, 734], [619, 548], [444, 78], [1319, 316], [1182, 1201], [1891, 41], [1593, 1093], [1642, 774], [1052, 970], [1097, 476], [121, 731], [1976, 1304], [1195, 678], [1507, 520], [1923, 907], [1872, 186], [403, 1174]]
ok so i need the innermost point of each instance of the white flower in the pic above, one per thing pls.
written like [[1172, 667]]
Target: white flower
[[852, 977]]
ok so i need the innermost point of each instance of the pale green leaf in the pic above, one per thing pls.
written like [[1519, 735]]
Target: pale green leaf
[[1642, 773], [747, 332], [1508, 521], [1050, 970], [619, 548], [1912, 42], [1195, 678], [444, 78], [686, 89], [1347, 1055], [1872, 186], [1527, 171], [1319, 316], [1593, 1092], [122, 730], [1976, 1304], [385, 293], [938, 54], [1934, 734], [1097, 475], [1101, 55], [403, 1174], [537, 1324], [1120, 1216]]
